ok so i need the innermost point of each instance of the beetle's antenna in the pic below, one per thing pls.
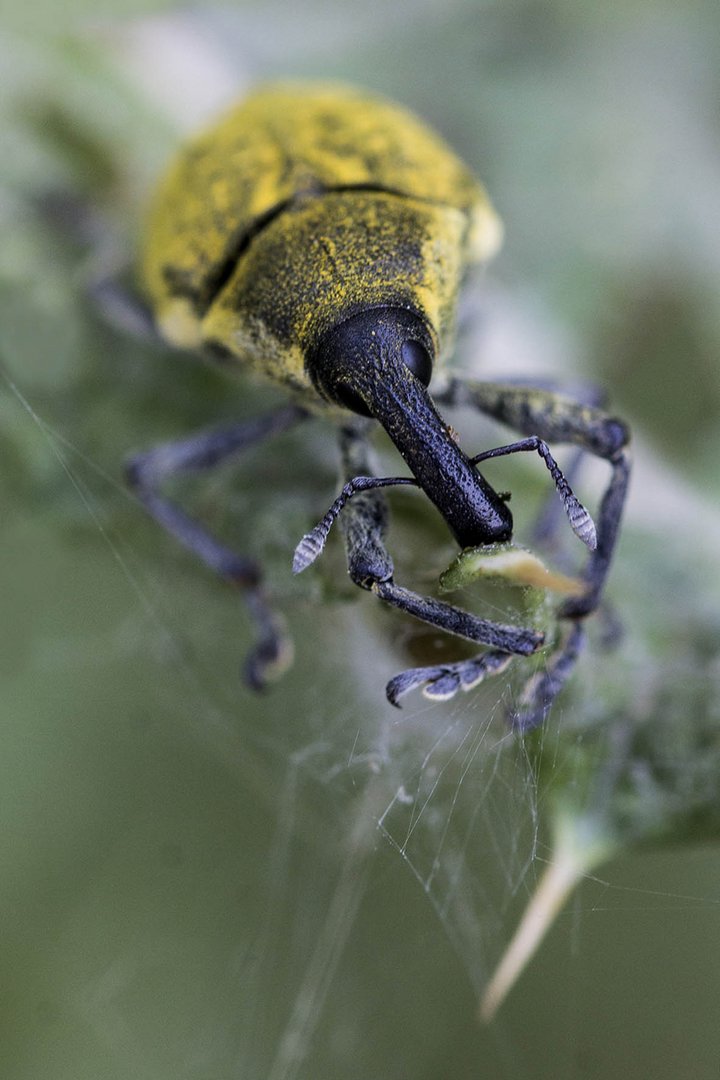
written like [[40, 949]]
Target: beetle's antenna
[[314, 541], [580, 520]]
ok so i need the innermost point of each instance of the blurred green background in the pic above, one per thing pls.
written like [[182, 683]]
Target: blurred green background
[[199, 883]]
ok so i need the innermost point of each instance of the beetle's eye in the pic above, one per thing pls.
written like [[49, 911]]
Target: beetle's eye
[[416, 357], [351, 400]]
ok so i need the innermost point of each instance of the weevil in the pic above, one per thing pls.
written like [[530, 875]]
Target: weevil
[[319, 236]]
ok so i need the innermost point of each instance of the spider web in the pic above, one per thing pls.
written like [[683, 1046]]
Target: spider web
[[446, 792]]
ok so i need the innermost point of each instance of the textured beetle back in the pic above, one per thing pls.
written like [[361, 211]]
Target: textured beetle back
[[288, 143]]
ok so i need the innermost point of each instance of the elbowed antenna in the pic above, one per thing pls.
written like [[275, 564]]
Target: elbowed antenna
[[377, 363]]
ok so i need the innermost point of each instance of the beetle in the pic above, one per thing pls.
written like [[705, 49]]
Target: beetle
[[319, 235]]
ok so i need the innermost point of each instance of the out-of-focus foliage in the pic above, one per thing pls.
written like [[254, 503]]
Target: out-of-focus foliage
[[312, 884]]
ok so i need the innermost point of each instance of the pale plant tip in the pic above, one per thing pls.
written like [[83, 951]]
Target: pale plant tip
[[576, 852]]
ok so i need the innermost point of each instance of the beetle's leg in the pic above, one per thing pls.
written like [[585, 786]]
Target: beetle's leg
[[145, 474], [364, 523], [106, 265], [541, 690], [442, 682], [123, 309], [554, 418]]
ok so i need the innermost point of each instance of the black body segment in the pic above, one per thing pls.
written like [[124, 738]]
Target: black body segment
[[362, 359]]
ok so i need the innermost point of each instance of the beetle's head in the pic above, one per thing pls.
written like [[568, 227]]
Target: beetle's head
[[378, 363]]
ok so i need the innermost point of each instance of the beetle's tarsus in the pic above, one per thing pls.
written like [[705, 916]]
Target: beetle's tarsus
[[272, 653], [441, 683], [444, 681]]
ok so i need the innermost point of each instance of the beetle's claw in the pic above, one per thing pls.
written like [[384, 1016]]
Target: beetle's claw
[[442, 682], [268, 660], [409, 680]]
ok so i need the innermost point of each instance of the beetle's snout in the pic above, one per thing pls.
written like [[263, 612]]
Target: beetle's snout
[[378, 364]]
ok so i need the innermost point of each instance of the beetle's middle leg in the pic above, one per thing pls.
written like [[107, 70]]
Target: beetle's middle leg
[[364, 524], [146, 473]]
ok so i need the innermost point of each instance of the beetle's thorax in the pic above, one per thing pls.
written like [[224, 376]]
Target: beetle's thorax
[[327, 257]]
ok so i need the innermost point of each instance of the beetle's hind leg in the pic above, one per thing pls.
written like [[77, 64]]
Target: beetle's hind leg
[[364, 524], [541, 689], [147, 471]]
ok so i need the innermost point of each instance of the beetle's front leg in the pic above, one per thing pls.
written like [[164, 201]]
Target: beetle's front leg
[[556, 418], [146, 473], [559, 419], [364, 523]]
